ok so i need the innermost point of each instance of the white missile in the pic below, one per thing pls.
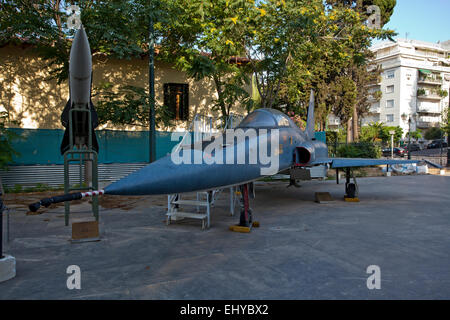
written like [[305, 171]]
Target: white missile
[[80, 70]]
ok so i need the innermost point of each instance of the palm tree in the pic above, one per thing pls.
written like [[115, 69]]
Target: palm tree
[[376, 128]]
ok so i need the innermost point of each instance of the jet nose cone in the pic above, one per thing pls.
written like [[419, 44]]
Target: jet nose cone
[[159, 177], [166, 177]]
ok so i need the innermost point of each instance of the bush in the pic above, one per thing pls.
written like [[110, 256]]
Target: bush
[[359, 150], [6, 137], [433, 134]]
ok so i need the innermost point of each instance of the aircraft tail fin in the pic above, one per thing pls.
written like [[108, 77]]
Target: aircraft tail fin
[[310, 122]]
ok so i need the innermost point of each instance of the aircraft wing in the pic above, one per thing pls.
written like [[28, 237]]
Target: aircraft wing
[[336, 163]]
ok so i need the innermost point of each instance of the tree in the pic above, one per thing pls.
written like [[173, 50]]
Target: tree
[[385, 136], [445, 125], [415, 135], [7, 151], [333, 52], [386, 6], [202, 39], [116, 29], [128, 105], [378, 132], [290, 46], [6, 137], [434, 133], [372, 132], [360, 70]]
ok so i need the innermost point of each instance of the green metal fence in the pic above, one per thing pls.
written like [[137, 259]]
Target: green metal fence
[[41, 146]]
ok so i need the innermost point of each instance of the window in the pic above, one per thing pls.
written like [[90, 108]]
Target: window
[[176, 98], [258, 119], [389, 118], [282, 120], [389, 103], [390, 74], [389, 89]]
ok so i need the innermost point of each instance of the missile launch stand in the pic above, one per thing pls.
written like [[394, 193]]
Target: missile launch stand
[[82, 157]]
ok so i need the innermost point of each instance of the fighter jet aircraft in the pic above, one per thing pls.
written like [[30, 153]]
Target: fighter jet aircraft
[[266, 142], [80, 82]]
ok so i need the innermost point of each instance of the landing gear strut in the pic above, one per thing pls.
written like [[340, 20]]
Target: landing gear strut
[[351, 189], [246, 217]]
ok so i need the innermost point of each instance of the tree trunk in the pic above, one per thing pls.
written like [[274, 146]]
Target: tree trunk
[[355, 125], [349, 131], [223, 108]]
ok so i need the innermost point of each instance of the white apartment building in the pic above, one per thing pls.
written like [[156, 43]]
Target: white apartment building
[[414, 77]]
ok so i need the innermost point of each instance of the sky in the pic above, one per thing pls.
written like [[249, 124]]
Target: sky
[[425, 20]]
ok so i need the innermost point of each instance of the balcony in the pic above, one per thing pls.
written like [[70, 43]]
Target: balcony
[[375, 109], [430, 96], [429, 109], [427, 124], [374, 96], [430, 80]]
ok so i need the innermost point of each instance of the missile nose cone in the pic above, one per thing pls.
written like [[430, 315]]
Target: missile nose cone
[[80, 68], [80, 54]]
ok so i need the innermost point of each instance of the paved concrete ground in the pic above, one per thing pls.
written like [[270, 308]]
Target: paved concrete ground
[[303, 250]]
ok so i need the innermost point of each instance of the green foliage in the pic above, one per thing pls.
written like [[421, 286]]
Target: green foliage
[[6, 137], [359, 150], [337, 66], [433, 134], [334, 140], [117, 29], [386, 6], [446, 121], [16, 189], [378, 132], [372, 132], [202, 39], [421, 92], [40, 187], [442, 93], [386, 137], [289, 46], [415, 135], [128, 105], [338, 136]]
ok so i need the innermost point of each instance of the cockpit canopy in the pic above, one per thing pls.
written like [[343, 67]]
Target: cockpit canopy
[[266, 118]]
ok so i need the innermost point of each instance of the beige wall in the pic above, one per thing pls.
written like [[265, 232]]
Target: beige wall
[[37, 102]]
